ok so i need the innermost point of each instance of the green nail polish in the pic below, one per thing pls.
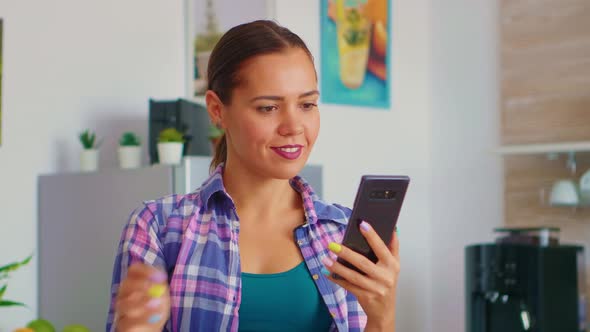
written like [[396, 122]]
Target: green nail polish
[[334, 247], [156, 291]]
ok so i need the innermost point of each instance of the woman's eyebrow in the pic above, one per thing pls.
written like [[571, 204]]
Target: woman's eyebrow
[[309, 93], [280, 98]]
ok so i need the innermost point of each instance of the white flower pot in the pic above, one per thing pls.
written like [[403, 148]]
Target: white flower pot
[[170, 153], [89, 160], [129, 156]]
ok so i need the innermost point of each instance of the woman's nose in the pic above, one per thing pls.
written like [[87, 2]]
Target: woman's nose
[[291, 122]]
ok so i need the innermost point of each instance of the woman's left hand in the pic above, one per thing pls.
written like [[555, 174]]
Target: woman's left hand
[[376, 290]]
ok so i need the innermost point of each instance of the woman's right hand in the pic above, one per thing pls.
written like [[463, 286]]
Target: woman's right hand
[[143, 301]]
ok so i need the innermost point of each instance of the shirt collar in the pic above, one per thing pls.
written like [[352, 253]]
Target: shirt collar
[[315, 208], [213, 185]]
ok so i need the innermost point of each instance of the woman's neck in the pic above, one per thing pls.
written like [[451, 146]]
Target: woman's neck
[[256, 195]]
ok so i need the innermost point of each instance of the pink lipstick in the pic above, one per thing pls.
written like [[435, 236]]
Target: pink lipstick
[[290, 152]]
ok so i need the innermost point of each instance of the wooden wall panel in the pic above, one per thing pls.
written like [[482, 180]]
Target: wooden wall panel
[[545, 98], [528, 182], [545, 70]]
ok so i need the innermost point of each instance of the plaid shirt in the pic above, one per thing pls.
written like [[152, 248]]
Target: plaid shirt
[[194, 237]]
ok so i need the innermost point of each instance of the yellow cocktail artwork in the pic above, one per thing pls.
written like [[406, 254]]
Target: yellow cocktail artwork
[[355, 61], [353, 33]]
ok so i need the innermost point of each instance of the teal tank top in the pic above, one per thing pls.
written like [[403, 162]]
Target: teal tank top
[[286, 301]]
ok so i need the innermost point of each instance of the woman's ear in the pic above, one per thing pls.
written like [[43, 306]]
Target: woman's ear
[[215, 109]]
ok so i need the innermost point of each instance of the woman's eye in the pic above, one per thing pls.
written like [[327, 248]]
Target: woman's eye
[[266, 109], [309, 106]]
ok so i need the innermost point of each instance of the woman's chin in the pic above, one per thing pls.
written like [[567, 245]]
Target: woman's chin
[[285, 171]]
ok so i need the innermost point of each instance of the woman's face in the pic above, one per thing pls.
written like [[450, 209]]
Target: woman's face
[[272, 121]]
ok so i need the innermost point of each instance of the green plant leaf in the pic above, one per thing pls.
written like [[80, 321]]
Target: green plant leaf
[[2, 290], [214, 132], [14, 266], [129, 139], [171, 135], [6, 303], [88, 140]]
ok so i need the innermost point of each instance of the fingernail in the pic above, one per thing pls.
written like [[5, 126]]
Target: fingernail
[[325, 271], [154, 303], [156, 290], [154, 319], [334, 247], [327, 262], [159, 277], [365, 226]]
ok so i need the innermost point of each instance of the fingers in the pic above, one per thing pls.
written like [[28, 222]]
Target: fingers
[[379, 248], [359, 261], [146, 272], [141, 276], [147, 322], [351, 276], [131, 285], [152, 314], [135, 304], [143, 300], [394, 245], [355, 290]]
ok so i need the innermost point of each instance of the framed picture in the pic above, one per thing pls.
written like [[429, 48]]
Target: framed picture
[[206, 21], [355, 56]]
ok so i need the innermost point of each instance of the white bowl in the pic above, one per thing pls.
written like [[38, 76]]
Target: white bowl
[[564, 193]]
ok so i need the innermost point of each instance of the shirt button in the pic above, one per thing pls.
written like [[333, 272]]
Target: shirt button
[[300, 242], [236, 224], [333, 314], [315, 277]]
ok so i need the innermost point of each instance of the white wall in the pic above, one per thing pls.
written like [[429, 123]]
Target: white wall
[[466, 184], [68, 65]]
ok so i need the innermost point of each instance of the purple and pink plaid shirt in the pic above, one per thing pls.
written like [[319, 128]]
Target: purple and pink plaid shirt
[[194, 237]]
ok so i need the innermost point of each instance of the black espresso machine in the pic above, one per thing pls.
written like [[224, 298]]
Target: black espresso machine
[[525, 281]]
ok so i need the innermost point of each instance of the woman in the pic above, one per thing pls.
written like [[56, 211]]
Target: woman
[[253, 249]]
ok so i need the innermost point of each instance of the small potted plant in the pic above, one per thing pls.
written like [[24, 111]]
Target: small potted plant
[[170, 146], [215, 134], [89, 156], [129, 151]]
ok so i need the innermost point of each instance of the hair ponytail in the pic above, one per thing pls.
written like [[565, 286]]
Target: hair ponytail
[[220, 153]]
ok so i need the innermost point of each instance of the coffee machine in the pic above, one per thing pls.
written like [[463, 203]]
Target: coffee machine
[[525, 281]]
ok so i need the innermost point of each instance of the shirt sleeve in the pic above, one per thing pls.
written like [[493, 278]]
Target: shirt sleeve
[[139, 243], [357, 319]]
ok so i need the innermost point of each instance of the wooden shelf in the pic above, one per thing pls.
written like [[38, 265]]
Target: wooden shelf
[[566, 147]]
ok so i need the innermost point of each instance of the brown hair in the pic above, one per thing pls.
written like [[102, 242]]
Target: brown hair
[[237, 45]]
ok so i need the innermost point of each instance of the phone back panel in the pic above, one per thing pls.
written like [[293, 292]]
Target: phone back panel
[[378, 201]]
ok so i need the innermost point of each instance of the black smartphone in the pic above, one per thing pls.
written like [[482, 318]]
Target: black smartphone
[[378, 201]]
